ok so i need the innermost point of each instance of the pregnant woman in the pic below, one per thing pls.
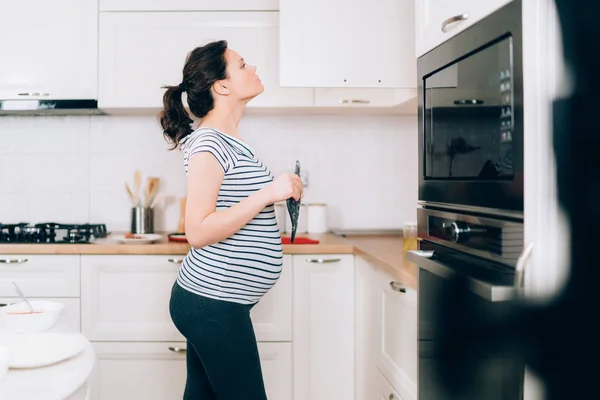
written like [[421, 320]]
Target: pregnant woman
[[236, 253]]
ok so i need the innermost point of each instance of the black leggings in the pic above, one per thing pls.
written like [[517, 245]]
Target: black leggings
[[222, 355]]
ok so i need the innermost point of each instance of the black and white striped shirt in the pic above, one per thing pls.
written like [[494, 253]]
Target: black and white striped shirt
[[246, 265]]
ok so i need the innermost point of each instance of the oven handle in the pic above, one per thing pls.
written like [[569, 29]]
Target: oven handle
[[483, 289]]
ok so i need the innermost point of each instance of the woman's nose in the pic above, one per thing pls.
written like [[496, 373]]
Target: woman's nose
[[253, 69]]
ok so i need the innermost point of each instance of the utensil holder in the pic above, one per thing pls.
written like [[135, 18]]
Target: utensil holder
[[142, 220]]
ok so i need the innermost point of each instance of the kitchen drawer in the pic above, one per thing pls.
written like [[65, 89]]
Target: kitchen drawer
[[40, 275], [126, 297], [69, 318], [156, 371]]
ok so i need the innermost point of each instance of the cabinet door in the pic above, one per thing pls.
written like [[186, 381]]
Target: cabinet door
[[323, 341], [276, 364], [39, 275], [49, 49], [157, 371], [397, 355], [439, 20], [69, 317], [149, 371], [188, 5], [272, 316], [126, 298], [366, 308], [142, 52], [330, 43], [384, 391]]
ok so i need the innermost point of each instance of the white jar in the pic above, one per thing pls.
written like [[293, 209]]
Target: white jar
[[317, 218]]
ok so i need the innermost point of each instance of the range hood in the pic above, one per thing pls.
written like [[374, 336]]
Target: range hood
[[50, 107]]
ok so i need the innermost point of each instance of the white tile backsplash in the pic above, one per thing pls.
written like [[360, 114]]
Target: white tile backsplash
[[74, 168]]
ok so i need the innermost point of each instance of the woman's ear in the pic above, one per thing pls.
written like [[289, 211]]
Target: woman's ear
[[221, 88]]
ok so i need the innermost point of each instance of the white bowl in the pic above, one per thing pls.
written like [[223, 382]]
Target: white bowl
[[20, 320], [4, 355]]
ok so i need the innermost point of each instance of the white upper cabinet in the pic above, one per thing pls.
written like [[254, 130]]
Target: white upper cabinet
[[49, 49], [142, 52], [439, 20], [358, 44], [188, 5]]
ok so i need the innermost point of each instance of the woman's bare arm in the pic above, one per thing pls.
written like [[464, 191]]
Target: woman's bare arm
[[203, 224]]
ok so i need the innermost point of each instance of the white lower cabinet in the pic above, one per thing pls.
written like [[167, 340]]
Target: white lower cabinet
[[126, 298], [323, 342], [384, 391], [157, 371], [149, 371], [397, 355], [141, 355], [386, 336]]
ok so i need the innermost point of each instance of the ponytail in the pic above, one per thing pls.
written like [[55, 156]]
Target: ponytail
[[175, 121], [203, 67]]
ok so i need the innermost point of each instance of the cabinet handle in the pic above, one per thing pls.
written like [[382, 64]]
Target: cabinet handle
[[521, 264], [396, 287], [29, 94], [323, 260], [175, 260], [354, 101], [391, 396], [13, 261], [177, 350], [452, 20]]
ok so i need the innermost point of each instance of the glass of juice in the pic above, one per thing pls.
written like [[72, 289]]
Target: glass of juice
[[409, 233]]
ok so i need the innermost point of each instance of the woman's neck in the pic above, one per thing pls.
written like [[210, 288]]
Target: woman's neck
[[225, 118]]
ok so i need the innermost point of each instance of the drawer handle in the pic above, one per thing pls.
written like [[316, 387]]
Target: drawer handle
[[452, 20], [13, 260], [34, 94], [396, 287], [391, 397], [354, 101], [323, 260], [178, 350], [175, 260]]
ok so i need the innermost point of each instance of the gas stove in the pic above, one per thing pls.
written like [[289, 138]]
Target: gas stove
[[51, 232]]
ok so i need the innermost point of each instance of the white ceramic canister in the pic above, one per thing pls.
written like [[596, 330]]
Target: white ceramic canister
[[317, 218]]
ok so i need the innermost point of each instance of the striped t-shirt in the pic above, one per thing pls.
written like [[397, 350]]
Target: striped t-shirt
[[246, 265]]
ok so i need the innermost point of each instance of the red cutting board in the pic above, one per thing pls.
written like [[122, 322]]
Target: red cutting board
[[298, 240]]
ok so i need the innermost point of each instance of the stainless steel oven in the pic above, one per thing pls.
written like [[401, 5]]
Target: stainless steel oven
[[488, 252], [471, 117]]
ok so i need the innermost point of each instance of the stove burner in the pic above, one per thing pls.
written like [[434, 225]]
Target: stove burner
[[51, 232]]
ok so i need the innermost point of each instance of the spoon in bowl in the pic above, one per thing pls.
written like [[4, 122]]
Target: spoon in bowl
[[22, 296]]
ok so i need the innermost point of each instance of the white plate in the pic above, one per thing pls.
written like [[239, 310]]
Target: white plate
[[41, 349], [143, 238]]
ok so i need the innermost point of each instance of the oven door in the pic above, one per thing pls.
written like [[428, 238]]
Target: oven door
[[471, 116], [496, 378]]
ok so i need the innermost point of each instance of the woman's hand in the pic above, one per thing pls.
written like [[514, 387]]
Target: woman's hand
[[285, 186]]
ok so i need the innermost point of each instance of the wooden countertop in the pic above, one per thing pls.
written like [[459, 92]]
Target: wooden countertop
[[385, 251]]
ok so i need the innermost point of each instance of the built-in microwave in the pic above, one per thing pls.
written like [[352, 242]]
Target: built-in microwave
[[471, 117]]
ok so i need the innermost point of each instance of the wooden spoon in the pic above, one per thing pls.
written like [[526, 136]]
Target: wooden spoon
[[137, 184]]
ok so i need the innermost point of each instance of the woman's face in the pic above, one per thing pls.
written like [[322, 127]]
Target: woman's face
[[243, 82]]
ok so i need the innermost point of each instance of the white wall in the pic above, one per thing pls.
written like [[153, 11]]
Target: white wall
[[73, 169]]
